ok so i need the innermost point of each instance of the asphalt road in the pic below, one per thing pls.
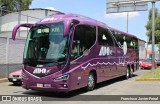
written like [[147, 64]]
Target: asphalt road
[[118, 86]]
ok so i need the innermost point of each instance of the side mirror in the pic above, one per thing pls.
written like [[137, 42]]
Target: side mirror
[[14, 31]]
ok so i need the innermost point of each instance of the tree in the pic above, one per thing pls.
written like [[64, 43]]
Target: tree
[[15, 5], [157, 28], [157, 32], [149, 24]]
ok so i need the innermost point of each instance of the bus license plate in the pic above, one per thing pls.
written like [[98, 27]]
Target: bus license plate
[[47, 85], [39, 85]]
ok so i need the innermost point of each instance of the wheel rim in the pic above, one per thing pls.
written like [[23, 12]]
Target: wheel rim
[[131, 72], [91, 81], [127, 73]]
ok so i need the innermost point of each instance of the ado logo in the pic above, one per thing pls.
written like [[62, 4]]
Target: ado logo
[[41, 70]]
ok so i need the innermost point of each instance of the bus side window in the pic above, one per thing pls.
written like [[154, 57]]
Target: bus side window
[[104, 37], [76, 48]]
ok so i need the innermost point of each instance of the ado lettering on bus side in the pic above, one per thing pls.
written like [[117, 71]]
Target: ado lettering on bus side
[[105, 50]]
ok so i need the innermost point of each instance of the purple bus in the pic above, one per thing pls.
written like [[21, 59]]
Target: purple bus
[[64, 52]]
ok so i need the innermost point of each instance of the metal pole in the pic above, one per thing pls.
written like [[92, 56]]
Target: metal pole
[[159, 52], [147, 47], [7, 56], [0, 18], [153, 37], [27, 23], [19, 21], [0, 23], [1, 10], [127, 23]]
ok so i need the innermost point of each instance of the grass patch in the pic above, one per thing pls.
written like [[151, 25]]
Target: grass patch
[[149, 74]]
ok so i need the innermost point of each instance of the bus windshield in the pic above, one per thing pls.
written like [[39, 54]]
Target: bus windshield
[[46, 44]]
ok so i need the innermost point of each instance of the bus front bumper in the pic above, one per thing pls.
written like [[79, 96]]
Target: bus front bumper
[[57, 87]]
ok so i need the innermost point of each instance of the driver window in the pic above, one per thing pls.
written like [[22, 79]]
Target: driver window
[[84, 39]]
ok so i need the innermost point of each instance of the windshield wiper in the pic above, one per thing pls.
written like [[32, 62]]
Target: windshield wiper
[[47, 61], [31, 62], [50, 61]]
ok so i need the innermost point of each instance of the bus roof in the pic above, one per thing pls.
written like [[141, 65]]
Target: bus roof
[[82, 19], [69, 16], [124, 33]]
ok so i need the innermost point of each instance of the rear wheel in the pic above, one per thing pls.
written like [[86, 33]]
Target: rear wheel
[[127, 73], [131, 73], [91, 82]]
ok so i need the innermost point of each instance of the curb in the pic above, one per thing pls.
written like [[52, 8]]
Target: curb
[[3, 80], [147, 79]]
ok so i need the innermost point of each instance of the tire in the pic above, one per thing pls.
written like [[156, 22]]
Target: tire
[[17, 83], [131, 73], [91, 82], [127, 74]]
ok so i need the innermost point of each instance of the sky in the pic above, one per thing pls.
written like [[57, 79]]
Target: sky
[[96, 9]]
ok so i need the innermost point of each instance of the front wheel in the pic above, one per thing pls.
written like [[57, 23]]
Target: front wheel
[[91, 82]]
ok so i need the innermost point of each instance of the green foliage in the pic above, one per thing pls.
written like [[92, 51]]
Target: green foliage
[[10, 5], [157, 30], [157, 26], [150, 14], [149, 74]]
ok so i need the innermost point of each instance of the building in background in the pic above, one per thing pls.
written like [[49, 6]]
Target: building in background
[[149, 54], [7, 22], [142, 49], [146, 52], [11, 52]]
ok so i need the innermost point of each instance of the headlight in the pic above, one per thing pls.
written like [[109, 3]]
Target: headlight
[[20, 76], [24, 77], [61, 78]]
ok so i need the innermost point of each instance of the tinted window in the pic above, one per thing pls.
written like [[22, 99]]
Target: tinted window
[[120, 38], [104, 37], [148, 60], [84, 39]]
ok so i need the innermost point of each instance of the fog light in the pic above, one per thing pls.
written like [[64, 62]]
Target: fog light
[[64, 85], [24, 77]]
